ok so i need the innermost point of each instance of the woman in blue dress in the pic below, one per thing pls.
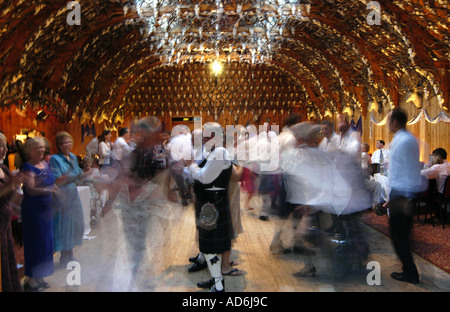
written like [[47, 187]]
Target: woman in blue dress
[[37, 216], [68, 222]]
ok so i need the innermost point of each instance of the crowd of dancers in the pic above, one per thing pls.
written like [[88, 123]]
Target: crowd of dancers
[[306, 173]]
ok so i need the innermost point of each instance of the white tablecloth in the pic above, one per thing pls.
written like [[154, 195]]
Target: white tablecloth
[[384, 182], [85, 196]]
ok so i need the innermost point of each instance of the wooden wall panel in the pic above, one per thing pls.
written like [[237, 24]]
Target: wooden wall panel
[[13, 120], [431, 135]]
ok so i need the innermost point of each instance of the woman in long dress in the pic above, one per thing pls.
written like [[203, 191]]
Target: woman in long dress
[[10, 276], [37, 216], [68, 226]]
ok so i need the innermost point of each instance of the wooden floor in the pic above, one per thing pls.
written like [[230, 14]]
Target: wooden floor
[[103, 265]]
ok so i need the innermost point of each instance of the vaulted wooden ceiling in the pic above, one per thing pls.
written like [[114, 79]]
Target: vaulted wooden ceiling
[[105, 68]]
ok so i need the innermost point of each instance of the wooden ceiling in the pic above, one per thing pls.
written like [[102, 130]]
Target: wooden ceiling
[[105, 68]]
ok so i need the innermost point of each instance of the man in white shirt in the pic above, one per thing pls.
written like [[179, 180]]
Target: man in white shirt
[[405, 181], [268, 132], [121, 147], [331, 139], [381, 155]]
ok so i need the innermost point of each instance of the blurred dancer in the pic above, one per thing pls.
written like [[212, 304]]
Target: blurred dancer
[[300, 166], [141, 207], [287, 143], [249, 177], [327, 182], [269, 185], [349, 139]]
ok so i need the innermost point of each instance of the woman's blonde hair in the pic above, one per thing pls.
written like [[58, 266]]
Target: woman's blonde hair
[[61, 135], [30, 143]]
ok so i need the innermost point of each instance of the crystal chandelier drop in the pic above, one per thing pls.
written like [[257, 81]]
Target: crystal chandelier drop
[[181, 31]]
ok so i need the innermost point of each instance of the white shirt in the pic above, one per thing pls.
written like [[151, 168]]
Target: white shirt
[[104, 152], [312, 179], [404, 165], [92, 147], [121, 148], [439, 172], [376, 156], [217, 161], [180, 147], [286, 140], [350, 143], [331, 144]]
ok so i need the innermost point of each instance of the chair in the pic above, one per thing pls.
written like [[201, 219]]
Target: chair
[[444, 200], [425, 197]]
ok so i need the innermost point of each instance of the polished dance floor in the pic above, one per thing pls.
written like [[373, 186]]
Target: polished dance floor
[[151, 255]]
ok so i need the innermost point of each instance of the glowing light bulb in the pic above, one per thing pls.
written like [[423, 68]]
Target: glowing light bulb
[[216, 67]]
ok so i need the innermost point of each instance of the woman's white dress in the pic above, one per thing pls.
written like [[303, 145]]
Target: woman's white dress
[[141, 225]]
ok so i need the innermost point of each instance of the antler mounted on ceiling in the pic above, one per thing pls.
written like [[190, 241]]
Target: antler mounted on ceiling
[[326, 51]]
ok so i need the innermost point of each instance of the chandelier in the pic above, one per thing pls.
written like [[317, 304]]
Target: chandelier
[[180, 31]]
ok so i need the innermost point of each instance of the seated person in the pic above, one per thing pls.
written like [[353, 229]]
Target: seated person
[[439, 170]]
